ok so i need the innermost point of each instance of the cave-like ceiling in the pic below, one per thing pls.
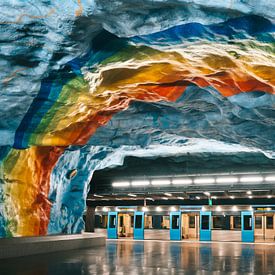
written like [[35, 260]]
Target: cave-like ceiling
[[85, 83]]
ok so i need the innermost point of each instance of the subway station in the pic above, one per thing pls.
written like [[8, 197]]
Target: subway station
[[137, 137]]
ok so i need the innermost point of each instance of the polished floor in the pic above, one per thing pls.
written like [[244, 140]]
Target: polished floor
[[150, 257]]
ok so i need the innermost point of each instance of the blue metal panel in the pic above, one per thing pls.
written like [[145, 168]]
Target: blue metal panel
[[139, 226], [247, 226], [112, 225], [205, 226], [175, 225]]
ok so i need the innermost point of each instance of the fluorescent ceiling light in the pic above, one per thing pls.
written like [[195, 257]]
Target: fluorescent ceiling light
[[269, 196], [173, 208], [214, 197], [105, 209], [168, 194], [204, 180], [121, 184], [180, 198], [218, 208], [140, 182], [98, 196], [144, 209], [248, 192], [181, 181], [198, 198], [250, 197], [234, 208], [160, 182], [270, 178], [132, 195], [206, 193], [226, 179], [251, 179], [150, 199], [158, 209], [164, 198], [232, 197]]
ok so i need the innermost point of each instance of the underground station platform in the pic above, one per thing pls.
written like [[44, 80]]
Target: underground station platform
[[137, 137]]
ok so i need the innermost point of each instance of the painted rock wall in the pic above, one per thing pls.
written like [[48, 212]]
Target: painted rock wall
[[86, 83]]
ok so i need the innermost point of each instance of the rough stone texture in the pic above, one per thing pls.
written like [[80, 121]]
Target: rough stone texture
[[86, 83]]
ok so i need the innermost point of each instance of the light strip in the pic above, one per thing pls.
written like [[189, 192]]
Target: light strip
[[160, 182], [251, 179], [132, 195], [168, 194], [98, 196], [181, 181], [121, 184], [226, 180], [270, 178], [204, 180], [140, 183]]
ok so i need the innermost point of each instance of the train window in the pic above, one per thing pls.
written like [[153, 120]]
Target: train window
[[191, 221], [258, 222], [237, 222], [112, 221], [247, 222], [138, 221], [205, 222], [269, 222], [175, 222]]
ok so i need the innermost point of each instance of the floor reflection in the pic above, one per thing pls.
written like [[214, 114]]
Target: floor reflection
[[150, 257]]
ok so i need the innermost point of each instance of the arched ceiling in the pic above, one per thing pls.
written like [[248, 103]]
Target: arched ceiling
[[86, 83]]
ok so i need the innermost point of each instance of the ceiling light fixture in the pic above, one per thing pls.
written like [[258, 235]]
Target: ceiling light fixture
[[98, 196], [269, 196], [180, 198], [158, 208], [105, 209], [172, 208], [214, 197], [204, 180], [132, 195], [248, 192], [160, 182], [164, 198], [270, 178], [121, 184], [181, 181], [206, 193], [251, 179], [140, 182], [149, 199], [168, 194], [232, 197], [234, 208], [218, 208], [226, 180], [198, 198], [145, 209], [250, 197]]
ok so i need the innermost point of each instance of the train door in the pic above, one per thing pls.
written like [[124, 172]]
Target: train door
[[247, 226], [139, 226], [175, 225], [112, 225], [125, 225], [205, 226]]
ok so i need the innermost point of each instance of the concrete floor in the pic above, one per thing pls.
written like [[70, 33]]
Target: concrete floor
[[150, 257]]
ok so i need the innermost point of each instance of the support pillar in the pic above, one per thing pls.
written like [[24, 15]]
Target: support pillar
[[90, 219]]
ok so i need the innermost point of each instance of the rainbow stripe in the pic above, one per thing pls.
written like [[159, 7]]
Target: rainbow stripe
[[233, 57]]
